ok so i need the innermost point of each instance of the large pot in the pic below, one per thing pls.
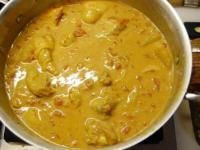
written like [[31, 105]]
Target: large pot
[[17, 13]]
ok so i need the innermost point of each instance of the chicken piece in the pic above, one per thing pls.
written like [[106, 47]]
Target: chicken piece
[[45, 60], [91, 15], [103, 105], [44, 47], [39, 83], [99, 133]]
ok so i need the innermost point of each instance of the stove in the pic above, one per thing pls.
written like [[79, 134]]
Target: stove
[[172, 136]]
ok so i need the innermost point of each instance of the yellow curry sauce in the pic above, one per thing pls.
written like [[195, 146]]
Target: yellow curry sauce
[[89, 74]]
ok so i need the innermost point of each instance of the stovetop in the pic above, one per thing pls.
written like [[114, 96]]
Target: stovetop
[[164, 139]]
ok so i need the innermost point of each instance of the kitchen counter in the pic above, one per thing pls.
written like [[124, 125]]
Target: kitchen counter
[[189, 14]]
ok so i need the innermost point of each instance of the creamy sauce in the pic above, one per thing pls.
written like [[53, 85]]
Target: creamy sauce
[[89, 74]]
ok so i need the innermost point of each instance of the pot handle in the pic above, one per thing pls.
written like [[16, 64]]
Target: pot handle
[[4, 2], [193, 97]]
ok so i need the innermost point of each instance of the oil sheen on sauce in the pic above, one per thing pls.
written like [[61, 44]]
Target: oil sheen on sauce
[[89, 74]]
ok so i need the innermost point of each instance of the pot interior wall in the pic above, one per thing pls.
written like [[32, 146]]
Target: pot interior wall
[[15, 16]]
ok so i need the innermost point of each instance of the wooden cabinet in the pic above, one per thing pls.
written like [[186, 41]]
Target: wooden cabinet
[[177, 2]]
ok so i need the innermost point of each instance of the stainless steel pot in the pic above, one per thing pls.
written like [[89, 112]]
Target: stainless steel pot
[[17, 13]]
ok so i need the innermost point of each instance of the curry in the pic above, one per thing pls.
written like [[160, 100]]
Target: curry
[[89, 74]]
